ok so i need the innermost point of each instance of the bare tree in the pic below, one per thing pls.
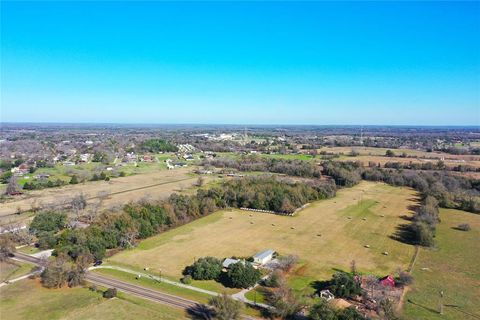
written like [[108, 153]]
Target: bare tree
[[78, 203], [13, 187], [7, 247]]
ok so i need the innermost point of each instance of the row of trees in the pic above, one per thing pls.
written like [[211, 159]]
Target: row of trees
[[296, 168], [144, 219], [158, 145]]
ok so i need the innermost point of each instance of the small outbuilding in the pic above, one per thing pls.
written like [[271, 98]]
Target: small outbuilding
[[264, 256], [327, 295], [387, 281]]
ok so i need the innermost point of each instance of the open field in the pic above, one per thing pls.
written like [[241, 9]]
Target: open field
[[322, 235], [382, 160], [410, 152], [13, 269], [155, 185], [453, 268], [26, 299]]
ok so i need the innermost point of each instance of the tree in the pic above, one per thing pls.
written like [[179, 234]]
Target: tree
[[390, 153], [423, 234], [110, 293], [55, 274], [404, 278], [207, 268], [7, 247], [387, 309], [46, 240], [75, 276], [350, 313], [225, 308], [285, 301], [200, 181], [13, 187], [322, 311], [275, 280], [74, 180], [286, 263], [243, 275], [344, 285], [78, 203], [49, 221]]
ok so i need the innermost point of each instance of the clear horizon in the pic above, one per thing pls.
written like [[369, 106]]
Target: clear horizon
[[322, 63]]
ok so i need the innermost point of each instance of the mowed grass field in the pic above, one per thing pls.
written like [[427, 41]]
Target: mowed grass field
[[322, 235], [27, 299], [453, 267]]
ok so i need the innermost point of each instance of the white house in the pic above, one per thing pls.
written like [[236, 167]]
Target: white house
[[264, 256]]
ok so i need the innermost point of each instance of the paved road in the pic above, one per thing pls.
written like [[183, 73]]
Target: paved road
[[188, 305]]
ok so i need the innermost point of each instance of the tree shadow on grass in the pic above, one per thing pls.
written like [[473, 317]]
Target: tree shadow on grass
[[404, 234], [423, 307], [320, 285], [200, 312]]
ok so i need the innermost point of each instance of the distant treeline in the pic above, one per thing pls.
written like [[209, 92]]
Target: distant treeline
[[440, 165], [141, 220], [296, 168], [438, 188], [158, 145]]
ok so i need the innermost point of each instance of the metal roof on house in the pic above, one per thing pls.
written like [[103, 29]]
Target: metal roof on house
[[264, 254], [228, 261]]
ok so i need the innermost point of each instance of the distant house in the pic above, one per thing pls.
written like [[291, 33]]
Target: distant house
[[387, 281], [264, 256], [85, 157], [42, 176], [147, 158], [20, 170]]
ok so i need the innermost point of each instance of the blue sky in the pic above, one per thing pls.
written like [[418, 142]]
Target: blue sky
[[247, 63]]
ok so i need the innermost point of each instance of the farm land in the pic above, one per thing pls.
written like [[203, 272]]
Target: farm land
[[27, 299], [336, 231], [105, 195], [451, 267]]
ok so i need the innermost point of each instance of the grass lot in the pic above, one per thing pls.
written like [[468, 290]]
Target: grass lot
[[160, 183], [322, 235], [164, 287], [14, 269], [29, 249], [28, 300], [453, 268]]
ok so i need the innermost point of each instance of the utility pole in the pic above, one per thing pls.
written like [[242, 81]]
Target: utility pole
[[441, 302]]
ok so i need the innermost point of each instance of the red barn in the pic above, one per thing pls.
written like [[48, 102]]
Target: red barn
[[388, 281]]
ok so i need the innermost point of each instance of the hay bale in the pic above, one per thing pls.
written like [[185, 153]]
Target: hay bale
[[385, 253], [364, 219], [367, 246]]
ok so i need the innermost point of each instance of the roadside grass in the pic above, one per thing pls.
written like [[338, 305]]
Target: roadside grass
[[13, 269], [27, 299], [452, 267], [321, 235], [28, 249], [160, 286]]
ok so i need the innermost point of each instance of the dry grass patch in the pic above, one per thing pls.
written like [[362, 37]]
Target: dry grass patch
[[322, 235]]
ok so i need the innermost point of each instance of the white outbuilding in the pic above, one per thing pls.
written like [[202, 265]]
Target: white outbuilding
[[263, 257]]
